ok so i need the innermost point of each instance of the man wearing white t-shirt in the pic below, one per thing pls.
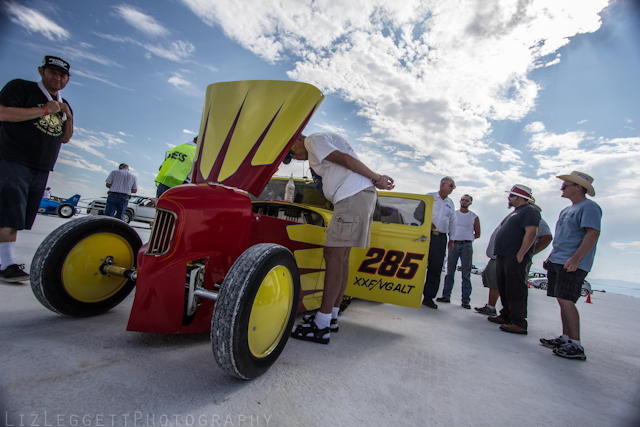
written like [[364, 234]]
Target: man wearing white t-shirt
[[467, 229], [349, 185]]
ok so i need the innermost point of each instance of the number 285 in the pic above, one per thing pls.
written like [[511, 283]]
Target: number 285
[[393, 263]]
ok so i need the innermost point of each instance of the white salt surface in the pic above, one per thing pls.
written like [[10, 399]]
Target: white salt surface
[[388, 365]]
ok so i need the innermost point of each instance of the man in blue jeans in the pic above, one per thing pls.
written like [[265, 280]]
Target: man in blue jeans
[[467, 229], [121, 184]]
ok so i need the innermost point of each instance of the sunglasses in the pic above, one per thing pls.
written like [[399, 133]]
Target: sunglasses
[[465, 200], [564, 186], [511, 195]]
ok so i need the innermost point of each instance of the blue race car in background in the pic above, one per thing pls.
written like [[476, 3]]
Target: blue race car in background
[[64, 209]]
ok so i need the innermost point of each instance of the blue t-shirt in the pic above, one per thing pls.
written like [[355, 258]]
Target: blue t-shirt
[[571, 229]]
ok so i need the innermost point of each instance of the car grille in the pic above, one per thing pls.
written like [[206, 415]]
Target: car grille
[[162, 233]]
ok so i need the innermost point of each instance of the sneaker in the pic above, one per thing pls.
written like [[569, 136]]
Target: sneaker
[[569, 350], [443, 299], [487, 311], [556, 342], [466, 305], [14, 273]]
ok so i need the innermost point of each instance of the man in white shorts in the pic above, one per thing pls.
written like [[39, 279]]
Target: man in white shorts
[[349, 185]]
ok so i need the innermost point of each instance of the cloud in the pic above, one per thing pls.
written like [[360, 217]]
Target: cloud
[[184, 85], [190, 132], [178, 51], [427, 76], [35, 22], [141, 21], [630, 247], [77, 161], [100, 79], [95, 143]]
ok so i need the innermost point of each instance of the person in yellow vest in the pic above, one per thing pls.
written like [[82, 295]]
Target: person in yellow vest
[[177, 167]]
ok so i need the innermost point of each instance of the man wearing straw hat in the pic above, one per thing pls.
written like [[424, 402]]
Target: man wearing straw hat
[[514, 249], [574, 248]]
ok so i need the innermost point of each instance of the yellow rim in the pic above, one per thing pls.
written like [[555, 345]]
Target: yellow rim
[[81, 275], [270, 311]]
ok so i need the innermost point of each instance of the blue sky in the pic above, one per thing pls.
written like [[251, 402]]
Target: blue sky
[[490, 92]]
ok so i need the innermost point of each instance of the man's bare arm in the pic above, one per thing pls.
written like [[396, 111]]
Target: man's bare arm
[[16, 114], [588, 242], [382, 182], [542, 244], [476, 228], [527, 241]]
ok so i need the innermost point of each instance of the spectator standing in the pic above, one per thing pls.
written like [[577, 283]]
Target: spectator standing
[[466, 231], [489, 280], [514, 249], [177, 167], [442, 223], [121, 184], [349, 185], [574, 249], [35, 121], [47, 193]]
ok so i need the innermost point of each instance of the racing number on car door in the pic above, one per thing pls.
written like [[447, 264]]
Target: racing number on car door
[[393, 268]]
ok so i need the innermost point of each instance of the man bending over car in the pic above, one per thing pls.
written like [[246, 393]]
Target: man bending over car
[[350, 186]]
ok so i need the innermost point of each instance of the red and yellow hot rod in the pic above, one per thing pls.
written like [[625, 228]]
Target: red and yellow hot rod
[[216, 260]]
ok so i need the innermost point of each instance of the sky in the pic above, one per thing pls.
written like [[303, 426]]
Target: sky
[[492, 93]]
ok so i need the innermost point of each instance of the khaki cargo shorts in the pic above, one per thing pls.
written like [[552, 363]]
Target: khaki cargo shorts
[[350, 224]]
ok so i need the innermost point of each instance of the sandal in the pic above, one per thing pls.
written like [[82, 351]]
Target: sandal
[[310, 332], [333, 326]]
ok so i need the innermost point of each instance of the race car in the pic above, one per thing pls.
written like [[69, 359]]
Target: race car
[[64, 209], [216, 260]]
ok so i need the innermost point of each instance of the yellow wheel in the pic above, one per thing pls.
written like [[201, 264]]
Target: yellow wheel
[[81, 270], [65, 273], [255, 310], [270, 312]]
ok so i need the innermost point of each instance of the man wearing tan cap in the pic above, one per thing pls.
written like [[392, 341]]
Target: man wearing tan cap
[[514, 249], [574, 248]]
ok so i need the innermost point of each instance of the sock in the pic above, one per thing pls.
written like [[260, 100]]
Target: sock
[[576, 342], [334, 312], [322, 320], [564, 338], [491, 307], [6, 254]]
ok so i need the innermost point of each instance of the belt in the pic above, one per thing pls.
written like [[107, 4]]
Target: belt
[[463, 241], [437, 233]]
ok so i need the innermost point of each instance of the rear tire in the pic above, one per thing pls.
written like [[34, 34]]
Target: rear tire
[[127, 216], [65, 274], [65, 210], [584, 292], [255, 310]]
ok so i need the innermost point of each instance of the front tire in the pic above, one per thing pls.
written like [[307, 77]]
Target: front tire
[[65, 210], [127, 216], [255, 310], [584, 292], [65, 272]]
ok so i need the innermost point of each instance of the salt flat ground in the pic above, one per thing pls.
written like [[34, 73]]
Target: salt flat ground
[[388, 365]]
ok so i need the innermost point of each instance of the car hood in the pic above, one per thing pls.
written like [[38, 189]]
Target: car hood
[[247, 129]]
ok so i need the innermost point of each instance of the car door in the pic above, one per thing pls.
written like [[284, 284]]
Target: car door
[[393, 269], [145, 211]]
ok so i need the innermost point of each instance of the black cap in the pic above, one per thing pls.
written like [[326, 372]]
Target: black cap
[[56, 63]]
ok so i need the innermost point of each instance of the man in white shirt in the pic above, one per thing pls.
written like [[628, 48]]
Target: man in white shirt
[[466, 231], [443, 221], [349, 185], [121, 184]]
